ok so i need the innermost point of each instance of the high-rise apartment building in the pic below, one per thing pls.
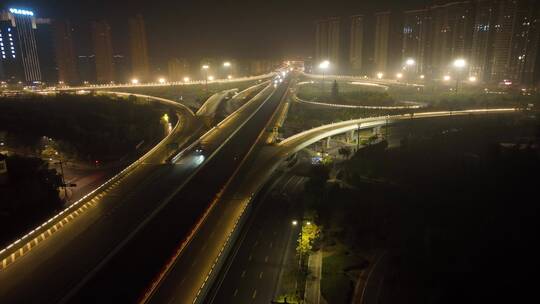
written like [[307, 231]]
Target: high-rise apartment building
[[388, 37], [178, 69], [327, 41], [101, 36], [451, 35], [139, 48], [18, 46], [65, 52], [416, 33], [516, 41], [356, 43], [481, 56]]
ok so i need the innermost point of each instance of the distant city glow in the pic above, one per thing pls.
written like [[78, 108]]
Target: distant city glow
[[447, 77], [19, 11], [460, 63], [324, 65]]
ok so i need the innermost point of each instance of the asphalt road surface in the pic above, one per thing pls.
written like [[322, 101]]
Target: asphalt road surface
[[259, 256], [128, 273]]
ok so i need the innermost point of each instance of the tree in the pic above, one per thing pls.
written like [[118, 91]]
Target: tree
[[335, 90], [310, 233]]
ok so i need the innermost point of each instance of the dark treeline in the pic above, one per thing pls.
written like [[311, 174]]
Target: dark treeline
[[456, 211], [98, 127], [28, 195]]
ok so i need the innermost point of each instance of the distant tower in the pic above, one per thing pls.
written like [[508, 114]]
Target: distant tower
[[18, 48], [178, 69], [382, 36], [415, 38], [327, 40], [516, 41], [356, 43], [482, 42], [139, 48], [65, 52], [101, 34]]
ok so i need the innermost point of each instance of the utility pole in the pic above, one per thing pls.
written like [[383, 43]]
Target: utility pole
[[64, 184]]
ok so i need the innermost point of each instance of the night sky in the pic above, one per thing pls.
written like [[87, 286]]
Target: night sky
[[211, 27]]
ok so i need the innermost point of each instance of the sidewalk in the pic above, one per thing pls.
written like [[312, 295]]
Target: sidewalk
[[312, 294]]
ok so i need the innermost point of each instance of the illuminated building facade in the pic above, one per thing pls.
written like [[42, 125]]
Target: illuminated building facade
[[18, 47]]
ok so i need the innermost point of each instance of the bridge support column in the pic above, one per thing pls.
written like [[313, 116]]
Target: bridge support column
[[350, 137], [328, 142]]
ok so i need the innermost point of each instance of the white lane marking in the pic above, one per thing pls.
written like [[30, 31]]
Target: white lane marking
[[254, 294], [235, 292], [260, 275], [243, 274]]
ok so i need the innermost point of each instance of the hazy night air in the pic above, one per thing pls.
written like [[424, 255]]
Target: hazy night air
[[276, 151]]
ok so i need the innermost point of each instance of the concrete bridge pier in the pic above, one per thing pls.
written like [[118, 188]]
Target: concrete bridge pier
[[350, 137]]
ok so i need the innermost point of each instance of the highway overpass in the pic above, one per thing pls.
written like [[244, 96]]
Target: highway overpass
[[77, 241]]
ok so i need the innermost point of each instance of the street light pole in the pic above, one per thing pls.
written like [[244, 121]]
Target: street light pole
[[459, 64], [205, 69], [323, 66]]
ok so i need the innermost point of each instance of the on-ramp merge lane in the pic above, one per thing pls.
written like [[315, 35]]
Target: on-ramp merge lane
[[126, 275]]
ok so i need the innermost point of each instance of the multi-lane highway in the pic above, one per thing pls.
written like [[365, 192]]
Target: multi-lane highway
[[42, 268], [264, 247], [166, 234], [79, 244]]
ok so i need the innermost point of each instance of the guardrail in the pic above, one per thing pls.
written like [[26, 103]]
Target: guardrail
[[24, 244], [344, 126], [168, 266], [175, 158], [355, 78], [297, 99], [166, 84]]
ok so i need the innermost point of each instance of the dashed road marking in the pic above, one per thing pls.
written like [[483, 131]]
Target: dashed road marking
[[243, 274], [254, 294]]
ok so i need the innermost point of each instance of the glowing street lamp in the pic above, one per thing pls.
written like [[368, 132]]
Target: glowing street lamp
[[447, 78], [410, 62], [422, 76], [294, 222], [229, 77], [324, 65], [380, 75], [186, 79], [210, 78], [134, 81], [472, 79], [161, 80], [205, 68], [459, 64], [399, 75], [226, 64]]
